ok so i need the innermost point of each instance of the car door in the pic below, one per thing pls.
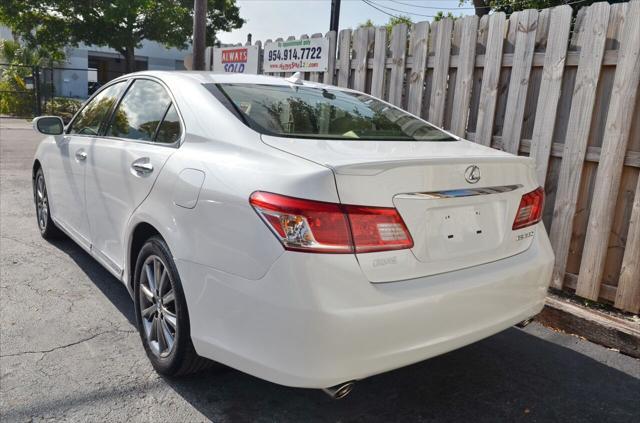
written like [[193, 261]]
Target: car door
[[66, 170], [123, 164]]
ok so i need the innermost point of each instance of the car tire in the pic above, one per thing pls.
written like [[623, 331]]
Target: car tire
[[161, 312], [47, 227]]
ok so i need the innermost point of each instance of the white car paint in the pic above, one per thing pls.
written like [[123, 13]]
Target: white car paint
[[294, 318]]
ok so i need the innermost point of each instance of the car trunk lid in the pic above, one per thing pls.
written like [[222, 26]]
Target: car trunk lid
[[455, 220]]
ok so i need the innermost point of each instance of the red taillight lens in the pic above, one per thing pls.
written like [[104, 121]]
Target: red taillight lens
[[314, 226], [530, 209], [304, 224], [377, 229]]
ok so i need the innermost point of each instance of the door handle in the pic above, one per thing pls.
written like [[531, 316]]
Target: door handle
[[142, 166], [81, 155]]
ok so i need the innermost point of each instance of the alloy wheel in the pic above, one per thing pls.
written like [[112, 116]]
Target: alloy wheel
[[158, 306], [42, 203]]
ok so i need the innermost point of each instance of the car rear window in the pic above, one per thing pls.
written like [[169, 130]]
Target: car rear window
[[323, 113]]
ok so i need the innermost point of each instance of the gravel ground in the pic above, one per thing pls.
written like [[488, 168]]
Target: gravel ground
[[69, 351]]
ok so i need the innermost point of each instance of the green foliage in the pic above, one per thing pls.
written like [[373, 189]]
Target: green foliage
[[15, 53], [393, 21], [367, 24], [63, 107], [441, 15], [119, 24], [390, 24], [509, 6], [15, 98]]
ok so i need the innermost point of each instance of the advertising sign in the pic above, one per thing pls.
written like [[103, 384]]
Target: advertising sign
[[309, 55], [235, 59]]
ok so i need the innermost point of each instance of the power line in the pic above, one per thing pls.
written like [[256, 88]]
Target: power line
[[378, 6], [380, 10], [374, 5], [433, 7]]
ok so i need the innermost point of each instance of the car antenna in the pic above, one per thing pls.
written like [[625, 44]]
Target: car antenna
[[296, 78]]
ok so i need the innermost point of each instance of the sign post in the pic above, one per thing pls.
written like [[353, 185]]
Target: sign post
[[307, 55]]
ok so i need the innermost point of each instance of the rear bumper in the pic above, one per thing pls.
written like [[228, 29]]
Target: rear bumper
[[315, 321]]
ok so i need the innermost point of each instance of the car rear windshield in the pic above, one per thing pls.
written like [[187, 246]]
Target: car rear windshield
[[323, 113]]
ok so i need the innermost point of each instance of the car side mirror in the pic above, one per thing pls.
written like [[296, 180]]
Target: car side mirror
[[48, 125]]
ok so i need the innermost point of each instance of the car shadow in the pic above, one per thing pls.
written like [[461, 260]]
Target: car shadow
[[110, 287], [510, 376]]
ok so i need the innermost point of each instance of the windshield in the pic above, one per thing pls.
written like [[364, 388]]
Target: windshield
[[307, 112]]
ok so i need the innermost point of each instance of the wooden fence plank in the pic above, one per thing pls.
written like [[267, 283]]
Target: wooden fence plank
[[481, 49], [399, 57], [315, 76], [464, 76], [379, 62], [614, 146], [519, 81], [328, 77], [509, 46], [359, 61], [490, 78], [628, 292], [452, 72], [442, 46], [591, 52], [258, 44], [344, 56], [554, 60], [419, 46]]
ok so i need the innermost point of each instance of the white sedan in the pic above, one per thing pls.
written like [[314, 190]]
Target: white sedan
[[306, 234]]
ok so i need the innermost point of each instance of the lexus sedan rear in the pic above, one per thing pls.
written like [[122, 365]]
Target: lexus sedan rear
[[306, 234]]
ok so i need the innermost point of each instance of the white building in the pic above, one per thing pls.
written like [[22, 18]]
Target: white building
[[86, 64]]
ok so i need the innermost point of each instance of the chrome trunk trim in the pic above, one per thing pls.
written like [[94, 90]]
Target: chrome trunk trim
[[463, 192]]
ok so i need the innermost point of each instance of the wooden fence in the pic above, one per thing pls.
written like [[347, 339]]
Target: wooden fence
[[562, 89]]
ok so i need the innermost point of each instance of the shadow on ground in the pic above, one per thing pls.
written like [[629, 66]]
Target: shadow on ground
[[510, 376]]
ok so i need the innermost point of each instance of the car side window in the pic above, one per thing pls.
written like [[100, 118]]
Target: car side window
[[92, 115], [140, 112], [169, 130]]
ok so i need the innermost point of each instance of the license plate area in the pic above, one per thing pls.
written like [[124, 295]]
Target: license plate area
[[463, 230]]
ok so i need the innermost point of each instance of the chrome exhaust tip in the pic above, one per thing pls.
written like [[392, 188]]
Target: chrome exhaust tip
[[340, 391], [524, 322]]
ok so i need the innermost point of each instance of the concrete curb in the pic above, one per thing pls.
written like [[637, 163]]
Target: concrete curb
[[598, 327]]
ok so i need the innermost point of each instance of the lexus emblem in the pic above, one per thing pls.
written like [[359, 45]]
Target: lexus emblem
[[472, 174]]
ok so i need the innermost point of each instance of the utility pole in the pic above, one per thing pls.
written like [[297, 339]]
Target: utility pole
[[199, 33], [335, 15]]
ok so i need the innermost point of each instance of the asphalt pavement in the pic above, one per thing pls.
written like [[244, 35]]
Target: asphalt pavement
[[69, 351]]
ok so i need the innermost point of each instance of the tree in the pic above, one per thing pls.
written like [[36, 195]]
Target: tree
[[441, 15], [119, 24], [396, 20], [390, 24], [481, 6]]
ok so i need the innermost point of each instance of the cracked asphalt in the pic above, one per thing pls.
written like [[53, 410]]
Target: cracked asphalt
[[69, 351]]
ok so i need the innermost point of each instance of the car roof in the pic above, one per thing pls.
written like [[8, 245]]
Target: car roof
[[203, 77]]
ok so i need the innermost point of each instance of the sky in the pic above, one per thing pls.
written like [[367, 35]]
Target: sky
[[281, 18]]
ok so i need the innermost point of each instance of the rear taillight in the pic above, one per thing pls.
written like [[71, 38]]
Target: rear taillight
[[530, 209], [315, 226]]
